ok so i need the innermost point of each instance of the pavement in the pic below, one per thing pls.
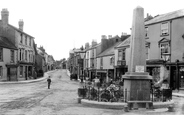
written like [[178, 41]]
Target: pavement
[[45, 76]]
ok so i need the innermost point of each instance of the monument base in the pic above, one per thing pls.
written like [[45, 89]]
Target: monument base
[[137, 89]]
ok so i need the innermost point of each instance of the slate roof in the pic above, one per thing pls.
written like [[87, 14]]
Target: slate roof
[[18, 30], [124, 43], [109, 51], [167, 16], [92, 47], [5, 43]]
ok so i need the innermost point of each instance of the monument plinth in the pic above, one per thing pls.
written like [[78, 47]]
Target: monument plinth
[[137, 80]]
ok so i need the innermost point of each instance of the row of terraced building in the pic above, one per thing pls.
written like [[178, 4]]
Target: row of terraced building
[[20, 58], [164, 45]]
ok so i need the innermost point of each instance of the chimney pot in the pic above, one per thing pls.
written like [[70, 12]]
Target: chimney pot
[[21, 24]]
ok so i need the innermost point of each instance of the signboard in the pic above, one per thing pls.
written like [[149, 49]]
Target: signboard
[[139, 68]]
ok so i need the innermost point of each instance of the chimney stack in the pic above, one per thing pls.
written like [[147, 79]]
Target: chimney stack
[[4, 17], [109, 36], [86, 45], [104, 43], [93, 43], [21, 24]]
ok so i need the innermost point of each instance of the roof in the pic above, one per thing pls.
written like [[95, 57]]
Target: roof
[[124, 43], [5, 43], [19, 30], [109, 51], [92, 47], [167, 16]]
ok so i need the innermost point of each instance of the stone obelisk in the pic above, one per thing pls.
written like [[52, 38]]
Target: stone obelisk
[[137, 80]]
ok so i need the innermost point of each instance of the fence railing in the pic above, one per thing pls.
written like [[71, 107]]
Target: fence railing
[[116, 93]]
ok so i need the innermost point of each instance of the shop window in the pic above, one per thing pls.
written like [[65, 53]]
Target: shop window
[[1, 54]]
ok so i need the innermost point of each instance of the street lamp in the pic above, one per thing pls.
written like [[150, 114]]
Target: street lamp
[[82, 55]]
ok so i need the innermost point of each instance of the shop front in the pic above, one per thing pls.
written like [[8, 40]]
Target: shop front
[[12, 72]]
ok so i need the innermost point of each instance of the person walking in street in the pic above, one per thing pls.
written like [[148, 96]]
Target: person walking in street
[[49, 82]]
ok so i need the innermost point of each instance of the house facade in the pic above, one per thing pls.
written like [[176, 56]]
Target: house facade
[[24, 43], [166, 37], [8, 60]]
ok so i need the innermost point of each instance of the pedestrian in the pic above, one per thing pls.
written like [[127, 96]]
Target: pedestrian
[[49, 82]]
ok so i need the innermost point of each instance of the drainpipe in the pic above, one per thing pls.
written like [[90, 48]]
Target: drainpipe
[[170, 55]]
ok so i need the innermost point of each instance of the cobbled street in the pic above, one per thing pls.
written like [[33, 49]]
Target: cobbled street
[[61, 99]]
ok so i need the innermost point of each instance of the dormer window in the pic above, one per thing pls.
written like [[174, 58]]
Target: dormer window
[[164, 28]]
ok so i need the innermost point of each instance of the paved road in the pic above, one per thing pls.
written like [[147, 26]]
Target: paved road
[[61, 99]]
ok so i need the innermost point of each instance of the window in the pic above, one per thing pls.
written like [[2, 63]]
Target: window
[[20, 54], [1, 54], [12, 56], [112, 60], [30, 42], [165, 49], [147, 52], [25, 40], [121, 54], [92, 63], [146, 32], [26, 55], [21, 38], [93, 53], [1, 72], [165, 28], [33, 58], [101, 61]]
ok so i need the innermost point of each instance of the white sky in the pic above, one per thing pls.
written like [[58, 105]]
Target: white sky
[[61, 25]]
